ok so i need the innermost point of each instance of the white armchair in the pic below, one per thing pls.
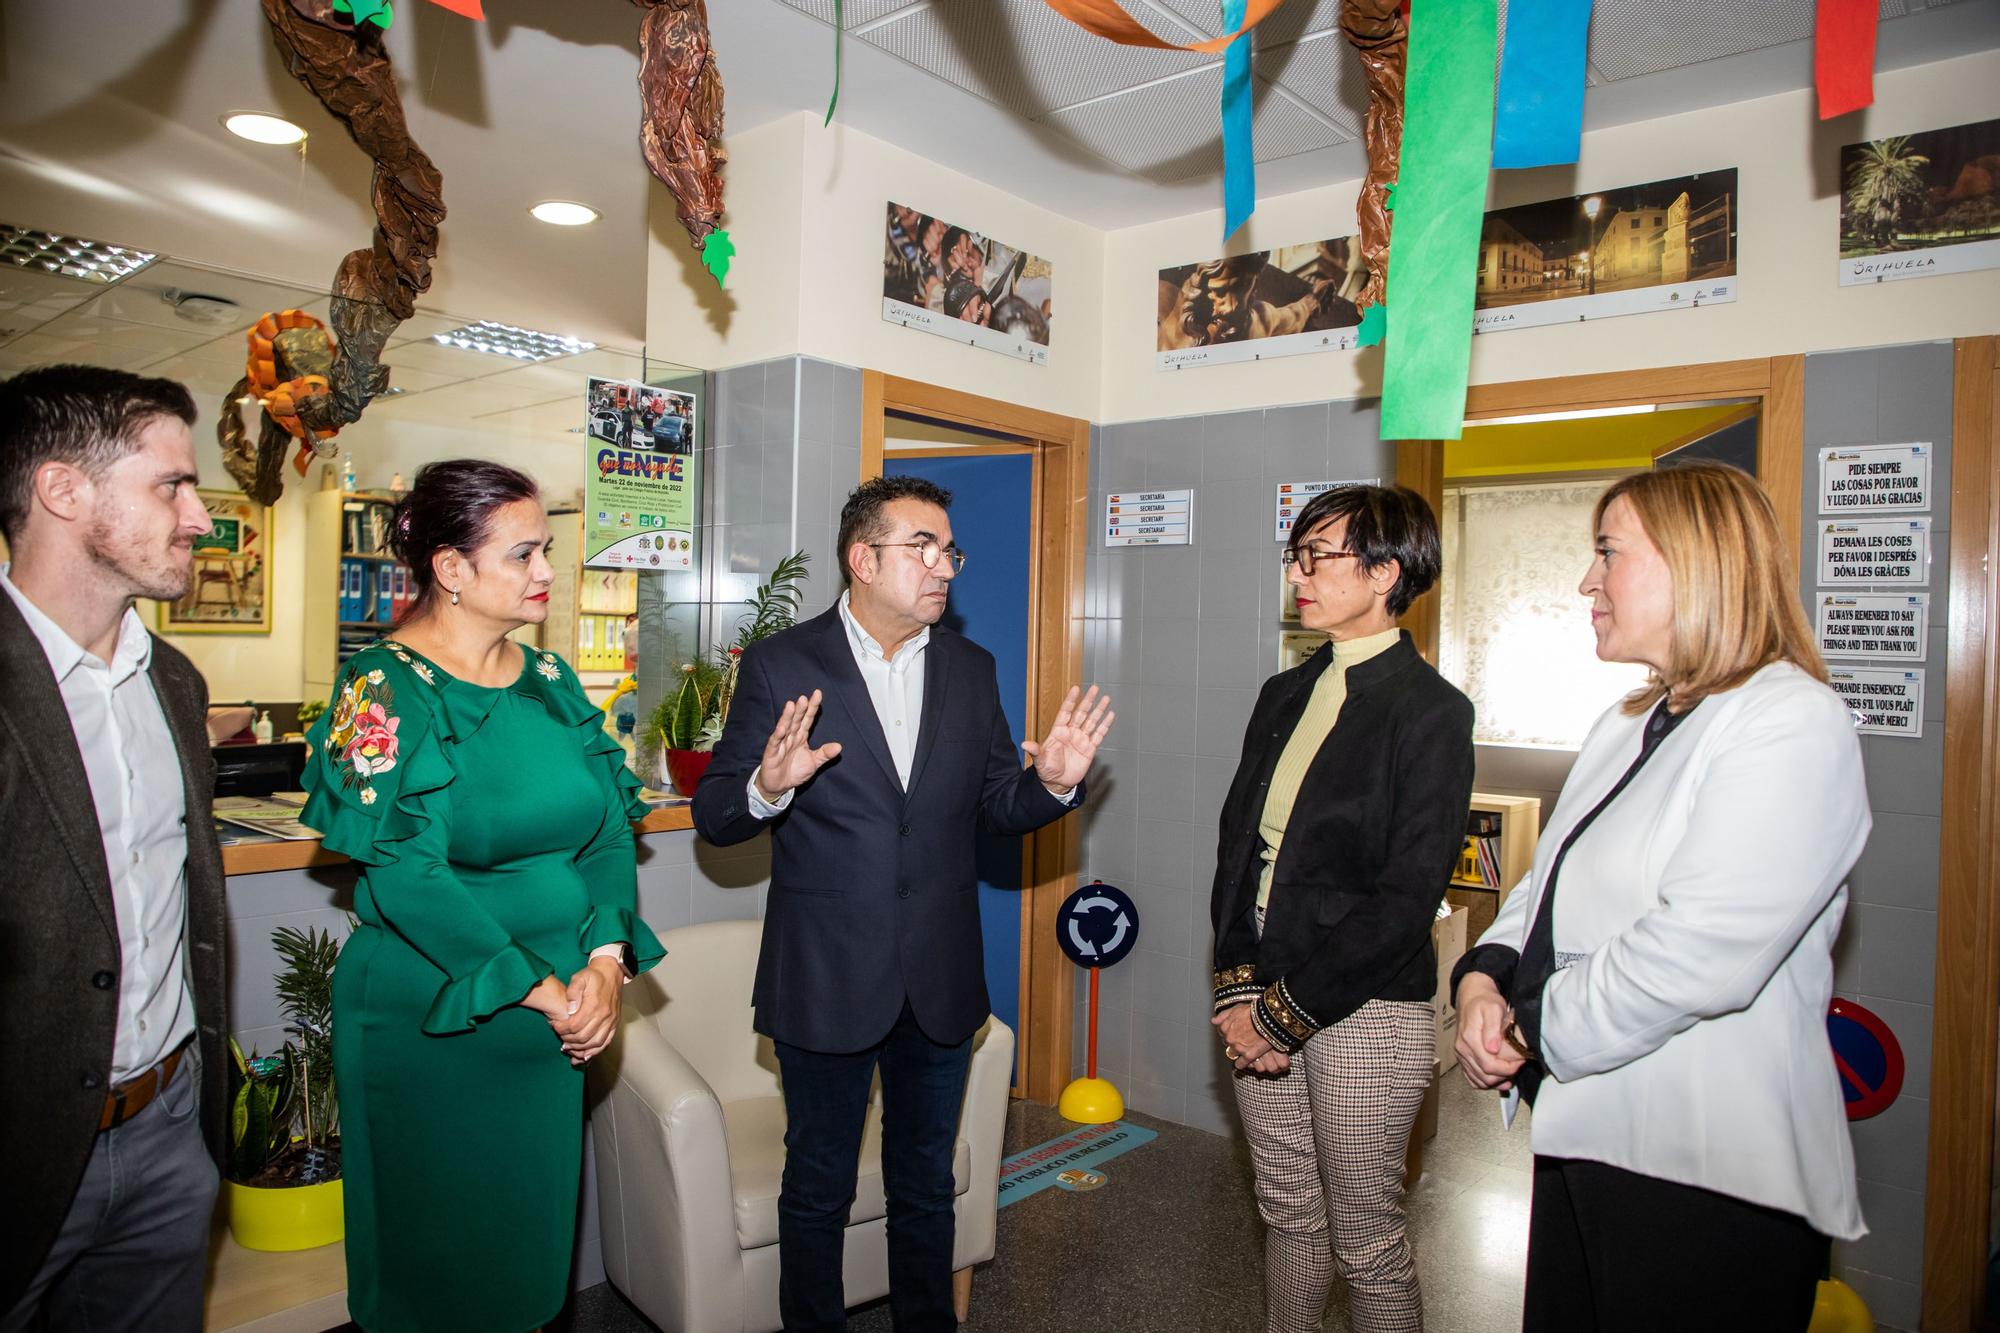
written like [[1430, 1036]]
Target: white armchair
[[689, 1140]]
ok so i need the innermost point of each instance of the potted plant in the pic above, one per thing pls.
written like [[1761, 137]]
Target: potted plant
[[689, 719], [283, 1183]]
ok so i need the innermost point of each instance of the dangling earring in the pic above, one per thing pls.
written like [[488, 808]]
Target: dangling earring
[[454, 597]]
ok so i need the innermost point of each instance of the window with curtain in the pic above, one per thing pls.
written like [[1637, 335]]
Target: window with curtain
[[1513, 632]]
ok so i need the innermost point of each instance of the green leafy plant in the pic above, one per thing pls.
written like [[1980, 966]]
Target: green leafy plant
[[284, 1117], [309, 712], [691, 716]]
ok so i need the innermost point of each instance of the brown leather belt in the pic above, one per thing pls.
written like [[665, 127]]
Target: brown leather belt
[[127, 1099]]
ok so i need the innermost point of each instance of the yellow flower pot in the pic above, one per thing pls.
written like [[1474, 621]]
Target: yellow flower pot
[[296, 1217]]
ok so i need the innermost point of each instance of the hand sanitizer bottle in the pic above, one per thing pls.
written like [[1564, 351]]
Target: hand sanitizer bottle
[[261, 729]]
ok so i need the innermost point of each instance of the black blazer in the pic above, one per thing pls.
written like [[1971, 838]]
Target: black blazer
[[873, 890], [1376, 829], [59, 958]]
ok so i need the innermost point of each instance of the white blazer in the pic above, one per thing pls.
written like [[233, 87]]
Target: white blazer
[[1685, 1030]]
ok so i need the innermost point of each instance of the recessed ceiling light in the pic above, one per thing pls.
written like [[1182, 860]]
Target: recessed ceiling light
[[69, 256], [497, 339], [260, 128], [563, 213]]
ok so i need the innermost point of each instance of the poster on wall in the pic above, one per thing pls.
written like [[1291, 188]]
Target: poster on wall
[[1883, 700], [1920, 205], [1664, 245], [1875, 550], [230, 592], [638, 496], [1884, 626], [1875, 478], [1269, 303], [1295, 495], [947, 279]]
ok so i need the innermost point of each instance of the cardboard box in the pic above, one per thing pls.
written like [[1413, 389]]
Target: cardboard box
[[1449, 935]]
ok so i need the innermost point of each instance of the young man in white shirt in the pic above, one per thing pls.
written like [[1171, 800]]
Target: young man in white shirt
[[111, 927]]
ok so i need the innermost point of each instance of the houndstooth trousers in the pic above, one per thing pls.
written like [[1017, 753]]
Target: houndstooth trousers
[[1328, 1139]]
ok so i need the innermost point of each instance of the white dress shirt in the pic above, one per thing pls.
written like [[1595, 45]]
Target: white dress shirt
[[896, 688], [135, 784]]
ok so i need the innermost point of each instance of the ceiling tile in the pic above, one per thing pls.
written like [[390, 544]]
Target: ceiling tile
[[29, 297], [456, 362], [1172, 131], [1023, 55], [1629, 38], [140, 297], [459, 402], [1289, 22], [853, 13], [1322, 72]]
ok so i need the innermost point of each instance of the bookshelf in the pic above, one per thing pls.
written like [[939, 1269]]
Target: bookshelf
[[354, 588], [1511, 826]]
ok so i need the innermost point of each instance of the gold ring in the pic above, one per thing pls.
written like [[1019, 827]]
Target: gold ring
[[1228, 1051]]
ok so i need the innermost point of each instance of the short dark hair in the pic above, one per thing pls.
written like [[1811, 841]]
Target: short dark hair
[[87, 416], [451, 507], [1384, 523], [861, 517]]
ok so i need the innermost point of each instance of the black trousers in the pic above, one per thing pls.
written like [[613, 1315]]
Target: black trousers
[[826, 1103], [1612, 1251]]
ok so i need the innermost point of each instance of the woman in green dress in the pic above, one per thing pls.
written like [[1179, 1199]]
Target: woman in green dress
[[474, 784]]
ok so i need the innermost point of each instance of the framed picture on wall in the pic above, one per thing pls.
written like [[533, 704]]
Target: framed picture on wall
[[230, 589]]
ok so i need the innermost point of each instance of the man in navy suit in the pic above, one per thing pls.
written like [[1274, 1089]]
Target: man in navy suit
[[873, 744]]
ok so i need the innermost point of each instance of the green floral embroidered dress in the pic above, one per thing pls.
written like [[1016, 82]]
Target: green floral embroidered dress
[[491, 826]]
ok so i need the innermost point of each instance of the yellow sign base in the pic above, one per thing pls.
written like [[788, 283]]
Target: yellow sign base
[[1091, 1101]]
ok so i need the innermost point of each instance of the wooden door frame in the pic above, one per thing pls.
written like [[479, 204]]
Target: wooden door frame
[[1059, 543], [1777, 383], [1965, 1023]]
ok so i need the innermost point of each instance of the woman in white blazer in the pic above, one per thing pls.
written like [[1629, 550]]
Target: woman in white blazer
[[1658, 986]]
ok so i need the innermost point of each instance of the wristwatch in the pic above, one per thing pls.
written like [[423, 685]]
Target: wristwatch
[[628, 958]]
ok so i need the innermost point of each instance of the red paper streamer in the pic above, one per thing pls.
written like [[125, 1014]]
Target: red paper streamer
[[465, 8], [1844, 56]]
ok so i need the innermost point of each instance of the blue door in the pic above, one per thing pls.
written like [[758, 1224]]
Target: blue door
[[992, 515]]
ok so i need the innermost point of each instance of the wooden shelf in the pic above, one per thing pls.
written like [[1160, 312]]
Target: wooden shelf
[[257, 858]]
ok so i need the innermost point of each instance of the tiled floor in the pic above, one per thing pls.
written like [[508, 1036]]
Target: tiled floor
[[1172, 1244]]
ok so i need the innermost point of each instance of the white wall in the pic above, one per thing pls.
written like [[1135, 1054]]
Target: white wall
[[807, 211], [1788, 183]]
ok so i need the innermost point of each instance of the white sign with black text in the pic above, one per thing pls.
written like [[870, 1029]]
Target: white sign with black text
[[1885, 625], [1149, 518], [1875, 478], [1293, 495], [1875, 550], [1884, 701]]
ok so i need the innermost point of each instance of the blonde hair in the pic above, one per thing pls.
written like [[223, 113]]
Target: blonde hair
[[1735, 596]]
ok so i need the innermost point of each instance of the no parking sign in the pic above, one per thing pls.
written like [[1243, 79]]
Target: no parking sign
[[1868, 1057]]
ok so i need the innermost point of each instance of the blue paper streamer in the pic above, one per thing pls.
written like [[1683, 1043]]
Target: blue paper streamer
[[1538, 121], [1239, 164]]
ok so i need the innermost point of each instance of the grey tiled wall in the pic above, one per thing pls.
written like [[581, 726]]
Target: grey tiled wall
[[1888, 949], [1183, 638]]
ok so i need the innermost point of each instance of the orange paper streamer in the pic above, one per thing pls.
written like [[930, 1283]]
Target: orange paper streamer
[[1109, 21]]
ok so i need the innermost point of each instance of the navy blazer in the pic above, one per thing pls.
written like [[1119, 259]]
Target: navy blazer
[[873, 889]]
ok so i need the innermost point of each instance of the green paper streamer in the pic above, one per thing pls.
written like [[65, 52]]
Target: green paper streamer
[[1389, 197], [1374, 325], [716, 252], [378, 12], [834, 101], [1441, 200]]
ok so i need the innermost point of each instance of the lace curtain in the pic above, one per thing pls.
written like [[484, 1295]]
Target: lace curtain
[[1513, 631]]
